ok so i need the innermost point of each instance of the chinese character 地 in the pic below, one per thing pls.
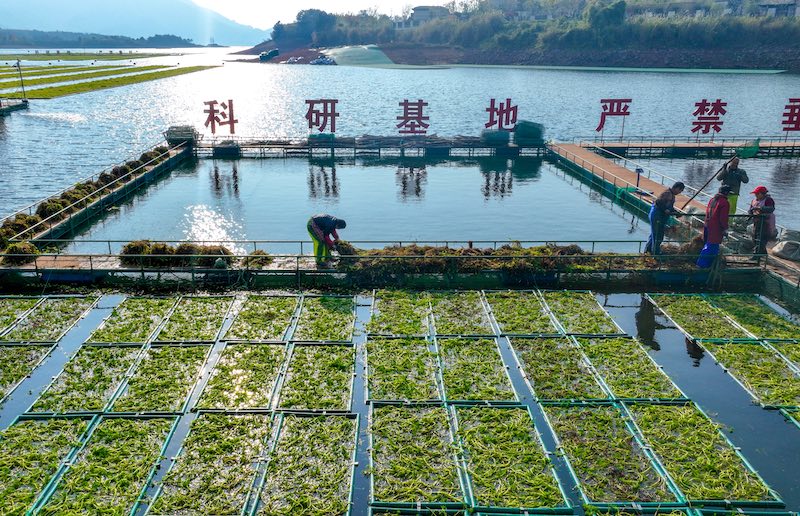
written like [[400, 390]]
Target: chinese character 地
[[504, 115], [322, 116], [791, 117], [220, 117], [413, 119], [613, 107], [709, 116]]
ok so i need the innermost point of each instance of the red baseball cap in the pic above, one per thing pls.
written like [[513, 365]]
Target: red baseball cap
[[760, 190]]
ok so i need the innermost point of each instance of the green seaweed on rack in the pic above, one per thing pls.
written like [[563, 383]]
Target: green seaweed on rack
[[162, 381], [413, 456], [263, 318], [16, 363], [506, 462], [627, 369], [244, 377], [589, 510], [310, 470], [758, 318], [318, 378], [88, 381], [556, 371], [460, 313], [401, 369], [196, 319], [790, 350], [110, 472], [698, 317], [520, 313], [325, 319], [579, 313], [610, 465], [50, 319], [400, 313], [30, 453], [12, 308], [700, 461], [216, 467], [474, 370], [761, 370], [134, 320]]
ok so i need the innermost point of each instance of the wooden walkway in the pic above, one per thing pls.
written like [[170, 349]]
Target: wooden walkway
[[689, 148], [617, 175]]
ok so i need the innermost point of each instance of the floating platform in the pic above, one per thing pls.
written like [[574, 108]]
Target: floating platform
[[9, 105], [683, 148]]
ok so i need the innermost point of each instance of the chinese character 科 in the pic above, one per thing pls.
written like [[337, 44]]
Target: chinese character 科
[[219, 117], [613, 107], [709, 116], [791, 117], [503, 116], [322, 116], [413, 121]]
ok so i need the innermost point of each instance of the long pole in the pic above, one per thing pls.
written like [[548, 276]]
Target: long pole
[[22, 83], [708, 182]]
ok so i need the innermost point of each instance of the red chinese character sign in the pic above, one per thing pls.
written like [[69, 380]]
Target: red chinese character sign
[[413, 119], [220, 114], [614, 108], [321, 114], [502, 115], [791, 116], [709, 116]]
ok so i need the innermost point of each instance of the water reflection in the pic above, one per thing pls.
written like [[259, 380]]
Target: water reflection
[[411, 182], [526, 169], [225, 184], [202, 223], [646, 324], [322, 182], [695, 352]]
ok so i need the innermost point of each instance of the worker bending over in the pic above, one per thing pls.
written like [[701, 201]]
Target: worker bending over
[[321, 228], [663, 208]]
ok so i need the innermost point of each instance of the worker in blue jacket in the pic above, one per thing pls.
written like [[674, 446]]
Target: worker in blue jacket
[[663, 208]]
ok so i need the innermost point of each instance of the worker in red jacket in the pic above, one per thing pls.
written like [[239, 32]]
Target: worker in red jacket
[[716, 226]]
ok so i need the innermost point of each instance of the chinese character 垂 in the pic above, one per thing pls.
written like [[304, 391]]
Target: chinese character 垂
[[791, 117], [219, 117], [413, 120], [322, 116], [709, 116], [503, 116], [613, 107]]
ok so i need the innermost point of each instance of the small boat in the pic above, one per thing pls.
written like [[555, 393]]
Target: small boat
[[268, 56], [323, 61]]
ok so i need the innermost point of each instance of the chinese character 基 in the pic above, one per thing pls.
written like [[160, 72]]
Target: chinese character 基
[[220, 116], [320, 117], [503, 116], [413, 119], [791, 117], [709, 116], [613, 107]]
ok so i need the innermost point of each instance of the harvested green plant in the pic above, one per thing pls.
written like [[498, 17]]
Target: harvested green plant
[[556, 370], [50, 319], [761, 320], [790, 350], [520, 313], [12, 308], [400, 313], [697, 317], [326, 319], [761, 370], [134, 320], [88, 381], [474, 370], [244, 377], [610, 465], [263, 318], [311, 469], [627, 369], [30, 453], [401, 369], [319, 377], [110, 472], [215, 469], [579, 313], [163, 380], [460, 313], [702, 463], [17, 362], [413, 456], [196, 319], [505, 459]]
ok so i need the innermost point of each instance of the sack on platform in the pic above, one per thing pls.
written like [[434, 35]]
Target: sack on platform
[[787, 250]]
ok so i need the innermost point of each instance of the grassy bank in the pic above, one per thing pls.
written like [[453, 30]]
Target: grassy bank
[[39, 71], [83, 56], [54, 79], [85, 87]]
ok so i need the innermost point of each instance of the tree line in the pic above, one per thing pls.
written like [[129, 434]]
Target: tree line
[[11, 38]]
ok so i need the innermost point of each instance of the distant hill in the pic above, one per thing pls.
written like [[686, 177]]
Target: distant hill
[[10, 38], [141, 18]]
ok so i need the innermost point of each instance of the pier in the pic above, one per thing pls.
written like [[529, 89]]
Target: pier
[[691, 147], [9, 105]]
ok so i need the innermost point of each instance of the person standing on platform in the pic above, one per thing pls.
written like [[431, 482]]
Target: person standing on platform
[[321, 228], [716, 226], [663, 208], [733, 176], [762, 209]]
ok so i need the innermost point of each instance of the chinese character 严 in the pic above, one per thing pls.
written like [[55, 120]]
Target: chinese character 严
[[709, 116], [322, 116], [503, 116], [413, 120], [613, 107], [791, 117], [219, 117]]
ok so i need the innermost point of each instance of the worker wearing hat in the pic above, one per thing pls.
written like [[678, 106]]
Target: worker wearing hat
[[716, 226], [762, 209], [733, 176]]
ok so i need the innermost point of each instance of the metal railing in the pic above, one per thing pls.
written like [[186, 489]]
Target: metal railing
[[729, 140]]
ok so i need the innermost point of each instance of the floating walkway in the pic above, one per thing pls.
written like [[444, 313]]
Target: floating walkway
[[9, 105], [677, 148]]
